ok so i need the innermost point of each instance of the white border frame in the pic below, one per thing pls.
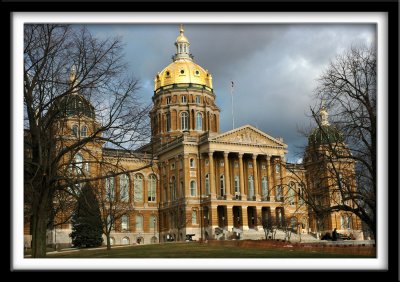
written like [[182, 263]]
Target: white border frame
[[19, 18]]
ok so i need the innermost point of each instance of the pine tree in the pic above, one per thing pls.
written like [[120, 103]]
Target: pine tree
[[86, 220]]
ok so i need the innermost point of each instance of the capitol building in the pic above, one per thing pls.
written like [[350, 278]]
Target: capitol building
[[201, 183]]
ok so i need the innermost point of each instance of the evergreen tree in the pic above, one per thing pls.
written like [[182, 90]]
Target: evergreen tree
[[86, 220]]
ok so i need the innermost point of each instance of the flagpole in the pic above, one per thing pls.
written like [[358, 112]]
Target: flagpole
[[233, 118]]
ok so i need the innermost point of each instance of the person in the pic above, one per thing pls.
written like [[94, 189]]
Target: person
[[334, 235]]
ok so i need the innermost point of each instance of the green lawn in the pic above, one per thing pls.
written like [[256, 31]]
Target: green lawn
[[194, 250]]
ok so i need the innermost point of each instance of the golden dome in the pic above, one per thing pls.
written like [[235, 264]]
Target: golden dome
[[183, 70]]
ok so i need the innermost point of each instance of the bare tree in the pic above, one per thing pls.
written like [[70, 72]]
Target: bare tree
[[77, 98], [341, 155]]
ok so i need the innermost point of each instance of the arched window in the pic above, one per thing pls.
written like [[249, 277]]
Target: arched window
[[168, 122], [184, 48], [75, 130], [293, 223], [291, 193], [345, 221], [194, 217], [151, 188], [251, 187], [207, 184], [237, 184], [153, 222], [124, 222], [83, 131], [193, 188], [264, 183], [138, 188], [78, 163], [199, 121], [139, 222], [184, 121], [301, 194], [112, 241], [173, 188], [277, 168], [110, 187], [279, 193], [125, 241], [124, 188], [222, 185], [192, 163]]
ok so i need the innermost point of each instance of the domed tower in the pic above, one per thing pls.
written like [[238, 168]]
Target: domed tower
[[184, 100], [330, 177]]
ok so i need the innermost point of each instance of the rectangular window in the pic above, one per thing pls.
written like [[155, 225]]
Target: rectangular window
[[250, 165]]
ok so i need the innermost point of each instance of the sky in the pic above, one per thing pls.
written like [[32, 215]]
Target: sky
[[274, 67]]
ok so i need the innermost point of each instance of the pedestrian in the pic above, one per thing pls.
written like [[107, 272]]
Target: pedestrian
[[334, 235]]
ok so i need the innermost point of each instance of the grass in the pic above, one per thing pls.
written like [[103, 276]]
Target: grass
[[195, 250]]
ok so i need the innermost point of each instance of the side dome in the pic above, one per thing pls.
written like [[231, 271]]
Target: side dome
[[74, 105], [326, 134]]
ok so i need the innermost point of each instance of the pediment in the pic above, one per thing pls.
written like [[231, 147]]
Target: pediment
[[248, 135]]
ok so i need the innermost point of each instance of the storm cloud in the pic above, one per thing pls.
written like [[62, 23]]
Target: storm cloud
[[274, 67]]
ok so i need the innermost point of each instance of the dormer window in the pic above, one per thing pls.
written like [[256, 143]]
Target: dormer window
[[167, 73], [182, 71]]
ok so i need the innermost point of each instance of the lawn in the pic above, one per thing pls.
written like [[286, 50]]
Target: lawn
[[195, 250]]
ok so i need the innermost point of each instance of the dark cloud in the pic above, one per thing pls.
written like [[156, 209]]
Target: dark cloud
[[274, 66]]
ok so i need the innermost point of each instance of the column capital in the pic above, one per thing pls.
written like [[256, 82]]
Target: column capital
[[254, 156], [210, 154], [240, 155], [226, 154], [268, 157]]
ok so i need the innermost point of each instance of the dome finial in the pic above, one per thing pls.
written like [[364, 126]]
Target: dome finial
[[181, 30], [324, 114], [182, 45], [72, 74]]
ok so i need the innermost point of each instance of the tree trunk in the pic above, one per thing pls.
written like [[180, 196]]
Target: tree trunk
[[39, 228], [108, 242]]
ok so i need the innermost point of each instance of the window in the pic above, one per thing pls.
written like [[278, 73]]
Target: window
[[151, 189], [182, 71], [83, 131], [192, 163], [264, 184], [251, 187], [301, 194], [138, 188], [124, 222], [236, 164], [165, 193], [173, 188], [279, 193], [345, 221], [167, 73], [184, 100], [277, 168], [181, 190], [291, 193], [168, 122], [237, 184], [181, 163], [75, 130], [222, 185], [168, 100], [263, 166], [139, 222], [250, 164], [110, 187], [207, 184], [78, 163], [199, 121], [194, 217], [206, 161], [172, 165], [184, 121], [87, 167], [153, 222], [124, 187], [198, 100], [184, 48], [125, 241], [193, 188], [221, 163]]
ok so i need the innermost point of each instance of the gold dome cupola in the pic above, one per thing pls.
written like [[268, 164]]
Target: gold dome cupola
[[183, 72]]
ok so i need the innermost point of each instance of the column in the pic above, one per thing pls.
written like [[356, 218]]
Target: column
[[227, 177], [282, 171], [258, 224], [245, 218], [271, 191], [179, 191], [256, 182], [186, 173], [242, 192], [168, 184], [212, 175], [229, 217], [199, 176]]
